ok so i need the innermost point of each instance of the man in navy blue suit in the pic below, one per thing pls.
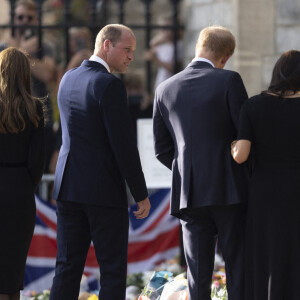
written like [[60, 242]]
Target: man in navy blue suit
[[195, 120], [98, 152]]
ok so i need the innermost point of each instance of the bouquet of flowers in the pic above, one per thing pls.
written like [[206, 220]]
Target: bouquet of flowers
[[157, 282], [34, 296], [218, 288], [163, 286]]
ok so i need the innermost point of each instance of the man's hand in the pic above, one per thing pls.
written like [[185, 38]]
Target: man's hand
[[143, 209]]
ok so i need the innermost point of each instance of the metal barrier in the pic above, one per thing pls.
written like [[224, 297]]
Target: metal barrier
[[99, 17], [44, 186]]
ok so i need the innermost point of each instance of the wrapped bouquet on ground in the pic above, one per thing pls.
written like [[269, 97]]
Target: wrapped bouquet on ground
[[163, 286], [34, 296], [218, 288]]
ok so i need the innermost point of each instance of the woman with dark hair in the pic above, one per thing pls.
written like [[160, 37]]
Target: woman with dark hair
[[21, 167], [270, 127]]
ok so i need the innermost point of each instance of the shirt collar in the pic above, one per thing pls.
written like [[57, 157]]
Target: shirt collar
[[203, 59], [100, 61]]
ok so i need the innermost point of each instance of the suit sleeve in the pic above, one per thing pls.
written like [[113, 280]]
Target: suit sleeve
[[163, 142], [120, 133], [237, 95], [36, 154]]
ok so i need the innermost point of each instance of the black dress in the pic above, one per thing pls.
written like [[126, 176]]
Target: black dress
[[21, 168], [272, 124]]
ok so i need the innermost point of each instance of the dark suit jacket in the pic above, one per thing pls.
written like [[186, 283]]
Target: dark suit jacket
[[98, 146], [195, 120]]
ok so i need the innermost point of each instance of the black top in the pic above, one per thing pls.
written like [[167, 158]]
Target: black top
[[272, 124], [25, 148], [21, 167]]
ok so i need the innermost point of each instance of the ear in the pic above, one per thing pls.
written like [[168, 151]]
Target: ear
[[106, 45], [224, 60]]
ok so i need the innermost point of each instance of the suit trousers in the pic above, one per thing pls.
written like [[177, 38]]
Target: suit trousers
[[201, 228], [79, 224]]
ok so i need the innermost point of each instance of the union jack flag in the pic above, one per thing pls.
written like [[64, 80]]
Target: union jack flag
[[151, 241]]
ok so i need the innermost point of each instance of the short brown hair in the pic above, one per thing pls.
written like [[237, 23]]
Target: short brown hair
[[218, 40], [112, 32], [29, 4]]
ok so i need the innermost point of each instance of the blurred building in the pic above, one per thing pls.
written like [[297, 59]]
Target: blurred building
[[264, 30]]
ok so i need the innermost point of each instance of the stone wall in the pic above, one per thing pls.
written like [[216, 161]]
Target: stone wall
[[198, 14], [4, 18], [264, 29]]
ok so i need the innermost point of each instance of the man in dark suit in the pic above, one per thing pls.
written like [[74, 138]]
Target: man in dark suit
[[195, 120], [98, 152]]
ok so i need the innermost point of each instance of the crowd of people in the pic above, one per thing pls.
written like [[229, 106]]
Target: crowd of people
[[235, 161], [44, 72], [47, 70]]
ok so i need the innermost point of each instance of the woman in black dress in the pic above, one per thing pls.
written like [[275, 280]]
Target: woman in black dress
[[21, 167], [270, 126]]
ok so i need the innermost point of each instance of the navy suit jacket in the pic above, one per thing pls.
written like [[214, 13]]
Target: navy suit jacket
[[98, 145], [195, 119]]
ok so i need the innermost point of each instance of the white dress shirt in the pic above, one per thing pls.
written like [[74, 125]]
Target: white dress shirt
[[203, 59], [100, 61]]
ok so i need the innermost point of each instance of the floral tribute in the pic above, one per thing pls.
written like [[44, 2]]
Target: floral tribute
[[167, 282], [218, 287]]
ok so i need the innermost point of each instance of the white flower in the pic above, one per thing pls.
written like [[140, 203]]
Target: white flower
[[174, 268], [147, 276], [219, 261]]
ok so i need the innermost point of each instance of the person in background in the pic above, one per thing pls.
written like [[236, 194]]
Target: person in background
[[139, 101], [139, 105], [195, 118], [269, 127], [97, 155], [80, 44], [22, 158], [161, 51], [42, 64]]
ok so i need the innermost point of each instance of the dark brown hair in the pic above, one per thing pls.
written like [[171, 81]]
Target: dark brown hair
[[17, 105], [286, 74]]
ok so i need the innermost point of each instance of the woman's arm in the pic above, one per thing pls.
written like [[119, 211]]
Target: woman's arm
[[240, 150]]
